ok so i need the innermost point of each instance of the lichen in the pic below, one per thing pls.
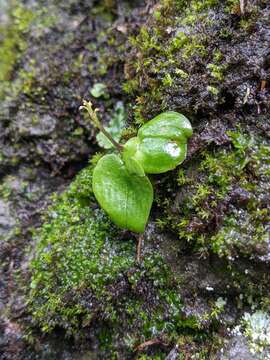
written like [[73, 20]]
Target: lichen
[[256, 328]]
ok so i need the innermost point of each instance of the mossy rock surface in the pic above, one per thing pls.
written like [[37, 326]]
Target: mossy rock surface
[[222, 200], [85, 276], [206, 251], [201, 58]]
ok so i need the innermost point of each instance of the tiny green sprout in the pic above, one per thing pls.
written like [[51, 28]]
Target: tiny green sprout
[[99, 90], [120, 183]]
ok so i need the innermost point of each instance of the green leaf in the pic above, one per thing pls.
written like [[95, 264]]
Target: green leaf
[[114, 127], [155, 155], [132, 164], [127, 198], [98, 90], [170, 125], [161, 143], [134, 167]]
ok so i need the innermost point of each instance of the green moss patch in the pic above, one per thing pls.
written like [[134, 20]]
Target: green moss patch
[[84, 275], [12, 42], [166, 52], [225, 203], [181, 59]]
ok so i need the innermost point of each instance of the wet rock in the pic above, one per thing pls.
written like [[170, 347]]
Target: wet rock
[[240, 196], [173, 354], [218, 74], [7, 220], [11, 343], [29, 125], [238, 349], [3, 12]]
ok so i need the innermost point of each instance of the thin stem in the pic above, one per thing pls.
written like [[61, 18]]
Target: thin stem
[[87, 105], [139, 247]]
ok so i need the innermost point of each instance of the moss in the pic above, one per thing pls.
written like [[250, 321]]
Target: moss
[[167, 80], [13, 42], [108, 52], [194, 37], [223, 209], [130, 86], [14, 78], [60, 81], [5, 189], [212, 90], [245, 227], [232, 6], [105, 10], [85, 275], [163, 52], [216, 71]]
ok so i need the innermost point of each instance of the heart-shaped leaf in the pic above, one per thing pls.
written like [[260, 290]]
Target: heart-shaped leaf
[[133, 165], [161, 143], [155, 155], [126, 197], [169, 124]]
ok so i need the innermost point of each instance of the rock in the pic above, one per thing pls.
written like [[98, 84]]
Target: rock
[[238, 349], [7, 220], [208, 261], [29, 125]]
